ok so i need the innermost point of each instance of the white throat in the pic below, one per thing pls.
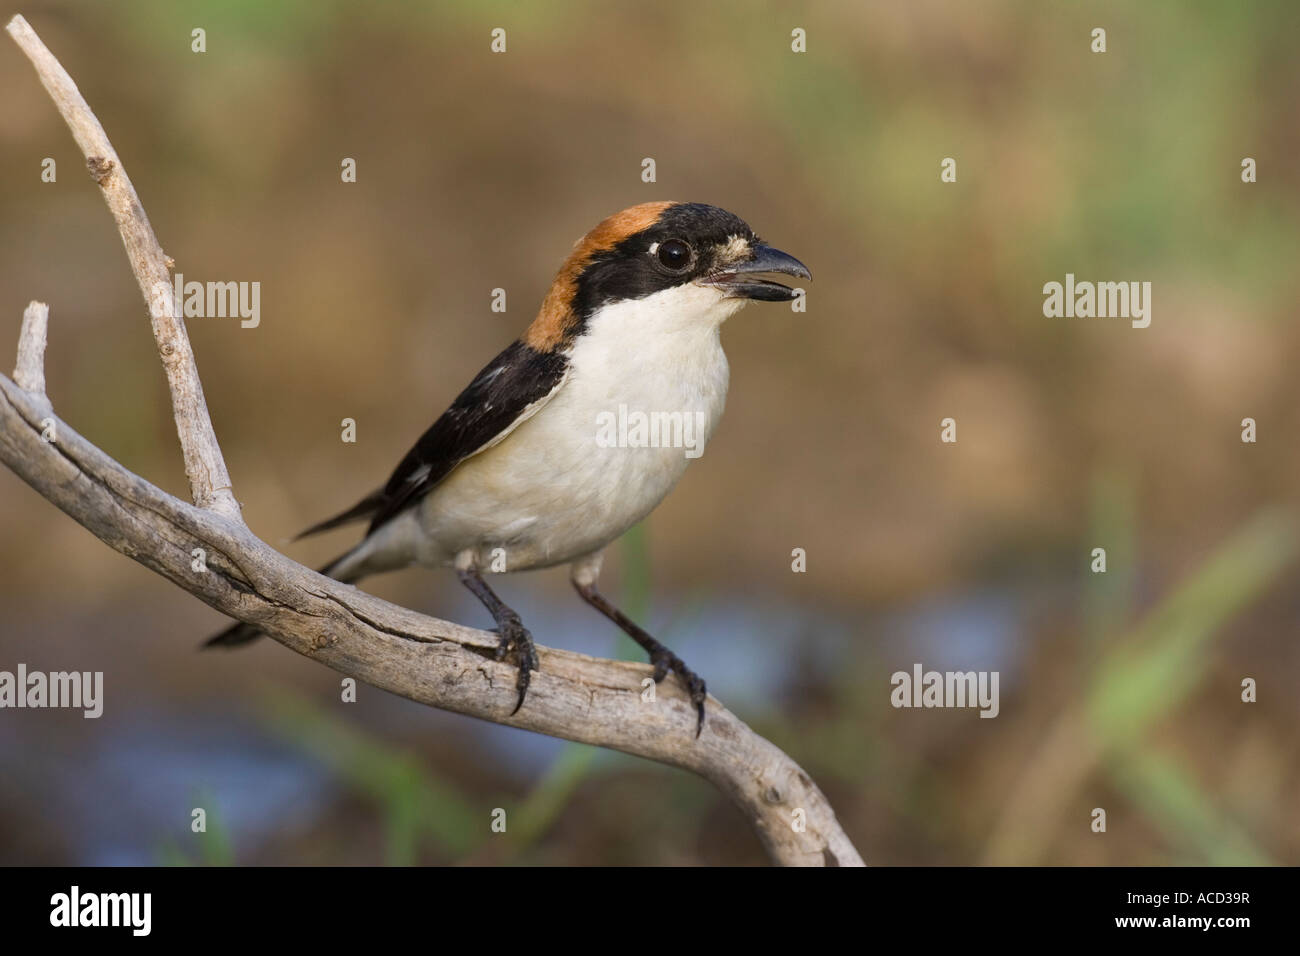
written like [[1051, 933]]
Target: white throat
[[662, 353], [681, 309]]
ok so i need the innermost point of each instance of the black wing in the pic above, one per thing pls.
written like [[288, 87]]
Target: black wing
[[509, 390]]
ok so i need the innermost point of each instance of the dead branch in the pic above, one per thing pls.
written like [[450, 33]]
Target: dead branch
[[204, 465]]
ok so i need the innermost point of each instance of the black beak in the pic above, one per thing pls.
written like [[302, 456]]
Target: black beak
[[740, 280]]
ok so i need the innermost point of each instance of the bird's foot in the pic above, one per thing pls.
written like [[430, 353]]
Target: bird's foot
[[514, 638], [664, 661]]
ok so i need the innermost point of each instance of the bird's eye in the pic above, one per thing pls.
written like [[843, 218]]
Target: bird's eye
[[674, 254]]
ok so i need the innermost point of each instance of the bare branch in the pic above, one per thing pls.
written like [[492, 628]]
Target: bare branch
[[427, 660], [422, 658], [29, 373], [204, 465]]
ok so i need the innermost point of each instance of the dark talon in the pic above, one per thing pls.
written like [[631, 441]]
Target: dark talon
[[510, 630], [661, 657], [514, 636], [664, 661]]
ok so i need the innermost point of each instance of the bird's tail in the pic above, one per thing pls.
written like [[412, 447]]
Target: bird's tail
[[342, 568], [365, 508]]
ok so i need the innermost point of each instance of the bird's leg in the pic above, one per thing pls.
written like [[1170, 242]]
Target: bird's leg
[[661, 657], [510, 629]]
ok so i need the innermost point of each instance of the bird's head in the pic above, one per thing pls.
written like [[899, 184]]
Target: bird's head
[[688, 264]]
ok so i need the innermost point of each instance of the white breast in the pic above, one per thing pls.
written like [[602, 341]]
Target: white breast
[[556, 489]]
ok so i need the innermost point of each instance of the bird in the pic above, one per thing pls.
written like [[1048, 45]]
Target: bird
[[518, 473]]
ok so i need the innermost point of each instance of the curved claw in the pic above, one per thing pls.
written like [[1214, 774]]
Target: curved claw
[[522, 684], [698, 695], [664, 661], [514, 636]]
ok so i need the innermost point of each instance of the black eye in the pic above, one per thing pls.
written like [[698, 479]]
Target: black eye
[[674, 254]]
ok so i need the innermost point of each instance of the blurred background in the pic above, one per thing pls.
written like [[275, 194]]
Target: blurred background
[[476, 171]]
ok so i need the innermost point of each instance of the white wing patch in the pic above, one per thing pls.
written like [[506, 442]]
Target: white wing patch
[[417, 476]]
